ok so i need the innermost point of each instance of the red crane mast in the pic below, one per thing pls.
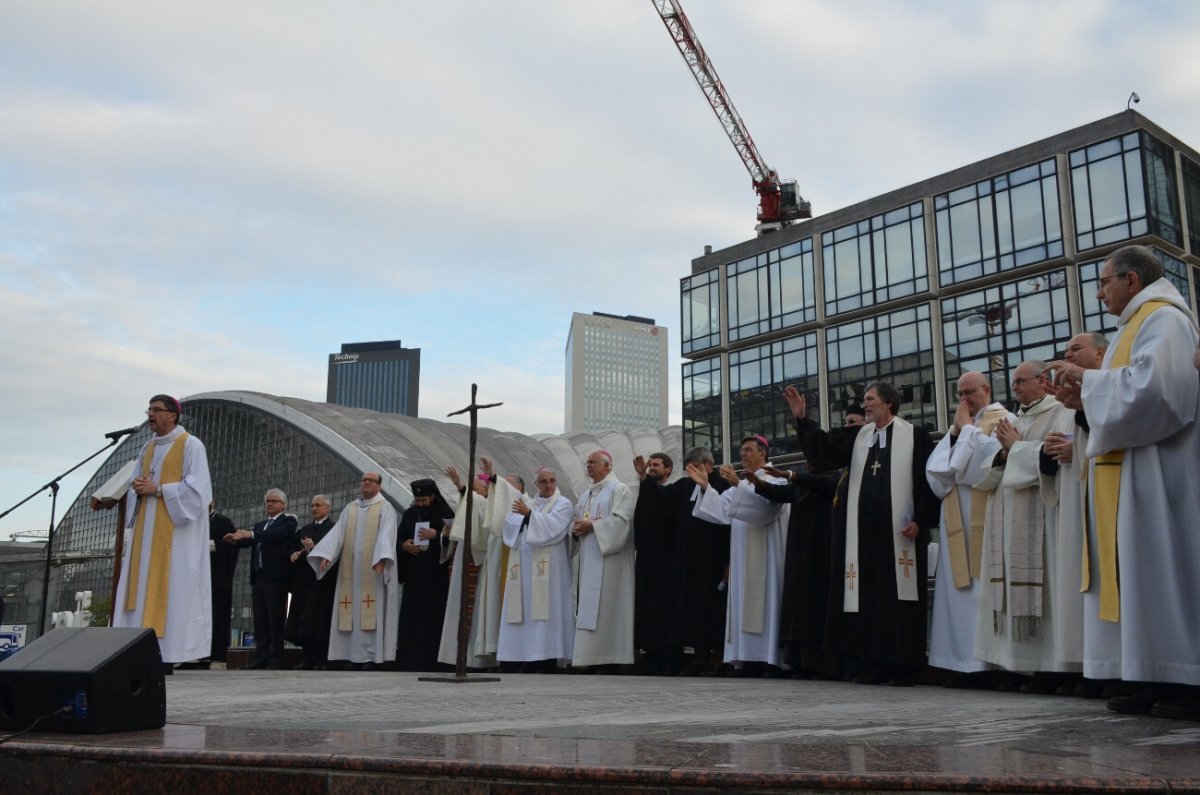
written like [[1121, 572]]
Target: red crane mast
[[779, 201]]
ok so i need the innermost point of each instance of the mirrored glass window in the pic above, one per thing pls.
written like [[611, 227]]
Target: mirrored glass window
[[702, 405], [999, 223], [772, 290], [876, 260], [757, 377], [995, 329], [1122, 188], [700, 310], [1191, 194], [896, 347]]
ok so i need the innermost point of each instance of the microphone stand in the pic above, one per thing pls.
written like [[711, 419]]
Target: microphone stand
[[53, 487]]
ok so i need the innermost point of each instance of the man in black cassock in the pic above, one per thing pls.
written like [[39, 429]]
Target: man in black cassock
[[700, 572], [653, 589], [311, 610], [423, 566], [223, 560], [883, 515], [806, 568]]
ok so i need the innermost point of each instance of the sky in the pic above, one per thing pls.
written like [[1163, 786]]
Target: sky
[[200, 196]]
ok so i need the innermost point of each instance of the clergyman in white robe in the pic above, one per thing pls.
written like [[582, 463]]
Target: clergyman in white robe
[[956, 464], [187, 631], [542, 626], [1151, 410], [757, 546], [359, 645], [604, 575]]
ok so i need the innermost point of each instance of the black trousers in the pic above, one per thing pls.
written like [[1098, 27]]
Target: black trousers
[[270, 610], [222, 607]]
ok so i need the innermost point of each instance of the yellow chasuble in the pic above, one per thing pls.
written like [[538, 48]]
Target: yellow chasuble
[[965, 570], [155, 613], [1108, 487], [345, 583]]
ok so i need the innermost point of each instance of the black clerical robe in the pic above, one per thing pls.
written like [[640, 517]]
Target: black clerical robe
[[654, 601], [807, 569], [311, 610], [222, 558], [701, 558], [886, 632], [426, 580]]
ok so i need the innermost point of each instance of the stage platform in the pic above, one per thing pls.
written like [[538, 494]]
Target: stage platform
[[294, 732]]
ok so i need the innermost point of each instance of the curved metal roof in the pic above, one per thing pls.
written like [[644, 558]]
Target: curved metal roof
[[404, 449]]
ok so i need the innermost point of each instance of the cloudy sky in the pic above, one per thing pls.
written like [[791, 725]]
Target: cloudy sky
[[214, 195]]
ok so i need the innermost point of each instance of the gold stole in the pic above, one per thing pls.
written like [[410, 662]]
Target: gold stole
[[154, 614], [345, 584], [1108, 487], [539, 582], [966, 568]]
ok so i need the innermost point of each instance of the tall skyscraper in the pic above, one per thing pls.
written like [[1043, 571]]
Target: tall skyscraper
[[381, 376], [616, 373]]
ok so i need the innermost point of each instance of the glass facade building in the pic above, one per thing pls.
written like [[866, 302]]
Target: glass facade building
[[256, 442], [977, 269], [380, 376], [616, 373]]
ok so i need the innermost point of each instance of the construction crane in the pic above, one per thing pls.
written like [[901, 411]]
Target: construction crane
[[779, 201]]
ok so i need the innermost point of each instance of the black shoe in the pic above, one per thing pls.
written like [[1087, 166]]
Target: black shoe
[[305, 666], [1139, 703], [1186, 708], [168, 669], [195, 665], [259, 665]]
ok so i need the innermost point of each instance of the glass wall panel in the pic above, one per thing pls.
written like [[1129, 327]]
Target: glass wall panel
[[1096, 317], [896, 347], [700, 311], [757, 377], [999, 223], [876, 260], [702, 405], [1123, 188], [1191, 195], [995, 329], [770, 291]]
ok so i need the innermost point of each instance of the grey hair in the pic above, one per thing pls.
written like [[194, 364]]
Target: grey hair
[[321, 498], [1098, 339], [278, 492], [1139, 260], [698, 455]]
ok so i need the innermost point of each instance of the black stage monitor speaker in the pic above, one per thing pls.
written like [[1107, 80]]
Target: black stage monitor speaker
[[111, 679]]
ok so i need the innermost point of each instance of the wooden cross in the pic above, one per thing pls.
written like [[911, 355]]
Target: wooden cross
[[851, 575], [368, 601], [907, 562], [345, 603], [464, 618]]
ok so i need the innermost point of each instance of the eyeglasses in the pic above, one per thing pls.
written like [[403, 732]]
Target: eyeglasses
[[156, 410], [546, 482], [371, 480], [274, 499], [962, 393], [1104, 280]]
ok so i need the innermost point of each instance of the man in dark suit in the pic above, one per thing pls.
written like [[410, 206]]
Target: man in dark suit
[[271, 542]]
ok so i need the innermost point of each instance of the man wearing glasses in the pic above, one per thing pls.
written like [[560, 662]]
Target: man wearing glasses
[[164, 582], [271, 542]]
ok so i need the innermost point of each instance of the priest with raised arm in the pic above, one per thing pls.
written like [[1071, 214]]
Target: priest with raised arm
[[882, 518]]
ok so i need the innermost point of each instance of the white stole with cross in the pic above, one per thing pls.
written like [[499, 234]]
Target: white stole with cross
[[903, 511]]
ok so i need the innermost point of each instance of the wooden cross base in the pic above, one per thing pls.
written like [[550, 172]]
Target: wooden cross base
[[458, 680]]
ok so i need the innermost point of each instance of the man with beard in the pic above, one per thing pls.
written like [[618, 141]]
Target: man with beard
[[423, 566], [654, 538], [882, 518]]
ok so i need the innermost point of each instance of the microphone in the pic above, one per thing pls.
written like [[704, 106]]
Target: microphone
[[114, 435]]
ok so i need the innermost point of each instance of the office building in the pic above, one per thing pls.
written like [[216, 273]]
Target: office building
[[976, 269], [380, 376], [616, 373]]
